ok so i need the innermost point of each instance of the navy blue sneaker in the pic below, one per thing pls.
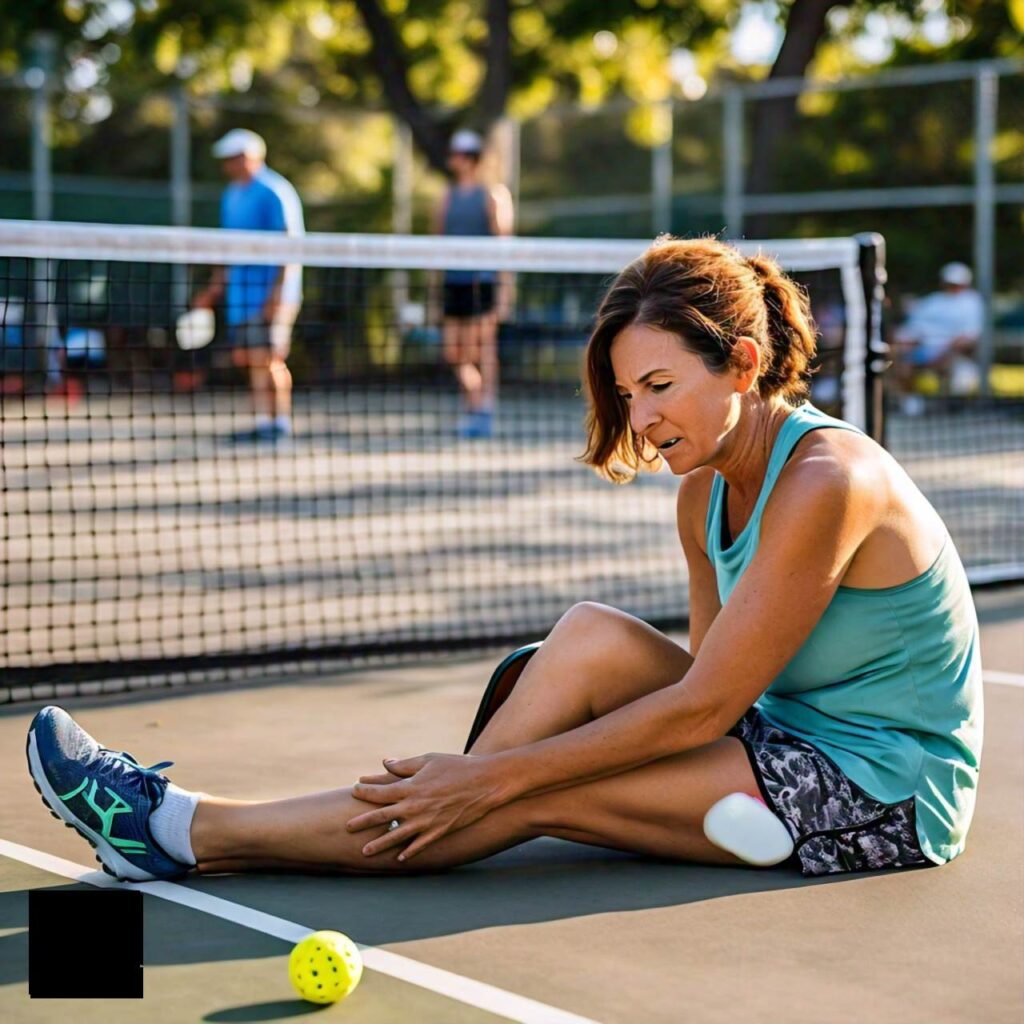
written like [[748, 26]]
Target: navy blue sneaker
[[107, 797]]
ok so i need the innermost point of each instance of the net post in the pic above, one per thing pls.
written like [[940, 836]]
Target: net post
[[986, 101], [877, 357], [40, 79], [661, 173], [732, 158], [181, 153], [181, 187]]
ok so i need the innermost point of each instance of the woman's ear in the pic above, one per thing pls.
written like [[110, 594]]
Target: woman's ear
[[746, 360]]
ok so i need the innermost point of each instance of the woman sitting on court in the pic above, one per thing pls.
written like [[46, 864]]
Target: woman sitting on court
[[828, 710]]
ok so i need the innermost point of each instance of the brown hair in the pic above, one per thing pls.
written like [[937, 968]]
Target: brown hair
[[709, 294]]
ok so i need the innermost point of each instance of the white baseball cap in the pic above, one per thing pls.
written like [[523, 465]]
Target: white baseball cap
[[466, 142], [237, 142], [956, 273]]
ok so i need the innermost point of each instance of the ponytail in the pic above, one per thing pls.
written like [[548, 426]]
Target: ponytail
[[791, 337]]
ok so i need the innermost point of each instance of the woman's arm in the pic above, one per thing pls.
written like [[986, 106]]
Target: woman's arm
[[820, 513], [501, 217], [499, 210], [691, 514]]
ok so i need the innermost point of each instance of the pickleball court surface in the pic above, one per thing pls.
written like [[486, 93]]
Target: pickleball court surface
[[558, 932]]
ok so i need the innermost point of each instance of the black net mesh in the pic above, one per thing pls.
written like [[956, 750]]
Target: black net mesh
[[148, 538]]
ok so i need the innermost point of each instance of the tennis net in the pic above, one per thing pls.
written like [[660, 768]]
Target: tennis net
[[966, 453], [146, 544]]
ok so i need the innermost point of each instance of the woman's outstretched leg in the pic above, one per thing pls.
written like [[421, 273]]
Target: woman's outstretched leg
[[310, 832], [657, 809]]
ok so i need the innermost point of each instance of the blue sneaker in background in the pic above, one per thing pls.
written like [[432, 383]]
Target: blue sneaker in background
[[106, 797], [477, 424], [484, 423], [266, 433]]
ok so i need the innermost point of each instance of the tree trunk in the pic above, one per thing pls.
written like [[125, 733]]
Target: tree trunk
[[430, 132], [493, 95], [775, 119], [392, 70]]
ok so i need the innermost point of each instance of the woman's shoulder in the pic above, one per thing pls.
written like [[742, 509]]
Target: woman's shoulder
[[843, 463], [847, 480], [839, 450]]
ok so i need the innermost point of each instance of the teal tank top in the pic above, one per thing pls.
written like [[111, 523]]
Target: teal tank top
[[888, 684]]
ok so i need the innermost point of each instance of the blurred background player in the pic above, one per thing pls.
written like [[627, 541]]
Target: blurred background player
[[474, 300], [260, 302], [941, 335]]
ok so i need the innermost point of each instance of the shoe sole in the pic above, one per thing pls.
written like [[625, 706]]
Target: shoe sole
[[109, 859]]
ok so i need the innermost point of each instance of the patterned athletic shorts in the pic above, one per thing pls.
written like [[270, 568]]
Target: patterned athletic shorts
[[834, 824]]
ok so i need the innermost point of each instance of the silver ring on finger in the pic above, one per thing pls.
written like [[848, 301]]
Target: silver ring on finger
[[393, 824]]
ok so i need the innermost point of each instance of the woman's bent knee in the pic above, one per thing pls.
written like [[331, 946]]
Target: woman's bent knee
[[590, 615], [609, 631]]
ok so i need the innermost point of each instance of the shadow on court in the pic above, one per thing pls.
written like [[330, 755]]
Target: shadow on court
[[545, 880], [280, 1009], [542, 881]]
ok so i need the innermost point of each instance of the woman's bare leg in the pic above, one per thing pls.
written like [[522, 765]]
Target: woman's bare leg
[[281, 386], [469, 371], [657, 809], [452, 348], [460, 352], [488, 335], [595, 660]]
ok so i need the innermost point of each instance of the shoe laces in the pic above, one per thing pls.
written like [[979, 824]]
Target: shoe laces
[[123, 764]]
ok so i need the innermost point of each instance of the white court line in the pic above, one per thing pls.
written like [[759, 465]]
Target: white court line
[[446, 983], [1004, 678]]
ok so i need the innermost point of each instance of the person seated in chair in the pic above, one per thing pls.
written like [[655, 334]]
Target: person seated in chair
[[943, 328]]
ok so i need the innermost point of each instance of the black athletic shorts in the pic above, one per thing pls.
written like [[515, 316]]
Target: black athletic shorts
[[258, 333], [468, 300], [835, 826]]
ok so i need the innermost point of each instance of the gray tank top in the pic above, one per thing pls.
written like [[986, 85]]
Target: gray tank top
[[466, 214]]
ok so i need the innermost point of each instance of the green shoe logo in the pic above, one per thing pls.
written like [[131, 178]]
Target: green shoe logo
[[106, 815]]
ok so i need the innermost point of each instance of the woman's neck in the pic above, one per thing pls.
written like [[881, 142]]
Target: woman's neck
[[745, 460]]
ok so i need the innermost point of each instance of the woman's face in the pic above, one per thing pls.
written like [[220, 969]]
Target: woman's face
[[673, 400]]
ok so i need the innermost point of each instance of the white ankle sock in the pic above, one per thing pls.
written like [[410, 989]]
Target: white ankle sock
[[171, 823]]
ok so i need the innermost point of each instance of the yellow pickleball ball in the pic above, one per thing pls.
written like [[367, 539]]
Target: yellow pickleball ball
[[325, 967]]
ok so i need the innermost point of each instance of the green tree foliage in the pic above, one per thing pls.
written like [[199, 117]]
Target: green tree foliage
[[909, 137], [297, 70]]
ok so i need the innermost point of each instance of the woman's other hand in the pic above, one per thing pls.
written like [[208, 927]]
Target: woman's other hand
[[429, 796]]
